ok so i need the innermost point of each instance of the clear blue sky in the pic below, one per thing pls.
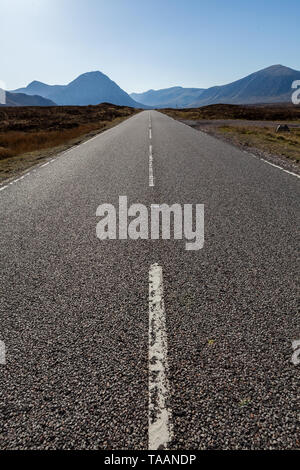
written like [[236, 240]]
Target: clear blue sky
[[146, 44]]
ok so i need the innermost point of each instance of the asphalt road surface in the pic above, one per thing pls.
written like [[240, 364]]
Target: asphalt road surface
[[76, 313]]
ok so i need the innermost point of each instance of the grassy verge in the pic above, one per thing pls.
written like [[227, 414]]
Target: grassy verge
[[29, 135], [265, 139]]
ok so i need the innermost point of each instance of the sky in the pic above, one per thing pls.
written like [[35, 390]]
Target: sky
[[144, 44]]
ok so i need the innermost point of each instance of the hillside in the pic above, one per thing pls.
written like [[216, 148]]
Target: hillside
[[270, 85], [168, 97], [21, 99], [90, 88]]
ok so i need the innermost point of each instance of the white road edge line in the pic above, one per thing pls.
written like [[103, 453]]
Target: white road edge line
[[89, 140], [273, 164], [25, 175], [151, 176], [160, 426]]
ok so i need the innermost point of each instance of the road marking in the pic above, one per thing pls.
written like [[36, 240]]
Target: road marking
[[90, 140], [160, 426], [272, 164], [3, 187], [280, 168], [18, 179], [151, 176], [69, 150]]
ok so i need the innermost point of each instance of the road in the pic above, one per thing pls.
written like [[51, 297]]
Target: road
[[75, 309]]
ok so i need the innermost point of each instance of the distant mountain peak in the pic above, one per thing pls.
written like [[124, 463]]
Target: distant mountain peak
[[275, 66], [173, 97], [277, 69], [269, 85], [34, 83], [93, 73], [89, 88]]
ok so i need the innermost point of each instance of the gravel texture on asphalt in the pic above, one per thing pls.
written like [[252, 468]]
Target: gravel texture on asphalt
[[74, 309]]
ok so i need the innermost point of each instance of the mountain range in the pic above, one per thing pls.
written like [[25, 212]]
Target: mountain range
[[270, 85], [169, 97], [88, 89]]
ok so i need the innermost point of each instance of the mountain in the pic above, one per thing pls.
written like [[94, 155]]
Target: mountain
[[39, 88], [168, 97], [21, 99], [270, 85], [88, 89]]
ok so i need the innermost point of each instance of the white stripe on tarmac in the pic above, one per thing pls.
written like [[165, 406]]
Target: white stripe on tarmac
[[272, 164], [151, 176], [160, 426], [280, 168], [90, 140]]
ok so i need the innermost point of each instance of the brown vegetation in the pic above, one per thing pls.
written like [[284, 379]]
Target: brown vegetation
[[265, 139]]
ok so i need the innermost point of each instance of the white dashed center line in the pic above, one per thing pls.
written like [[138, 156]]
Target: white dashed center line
[[151, 176], [160, 426]]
